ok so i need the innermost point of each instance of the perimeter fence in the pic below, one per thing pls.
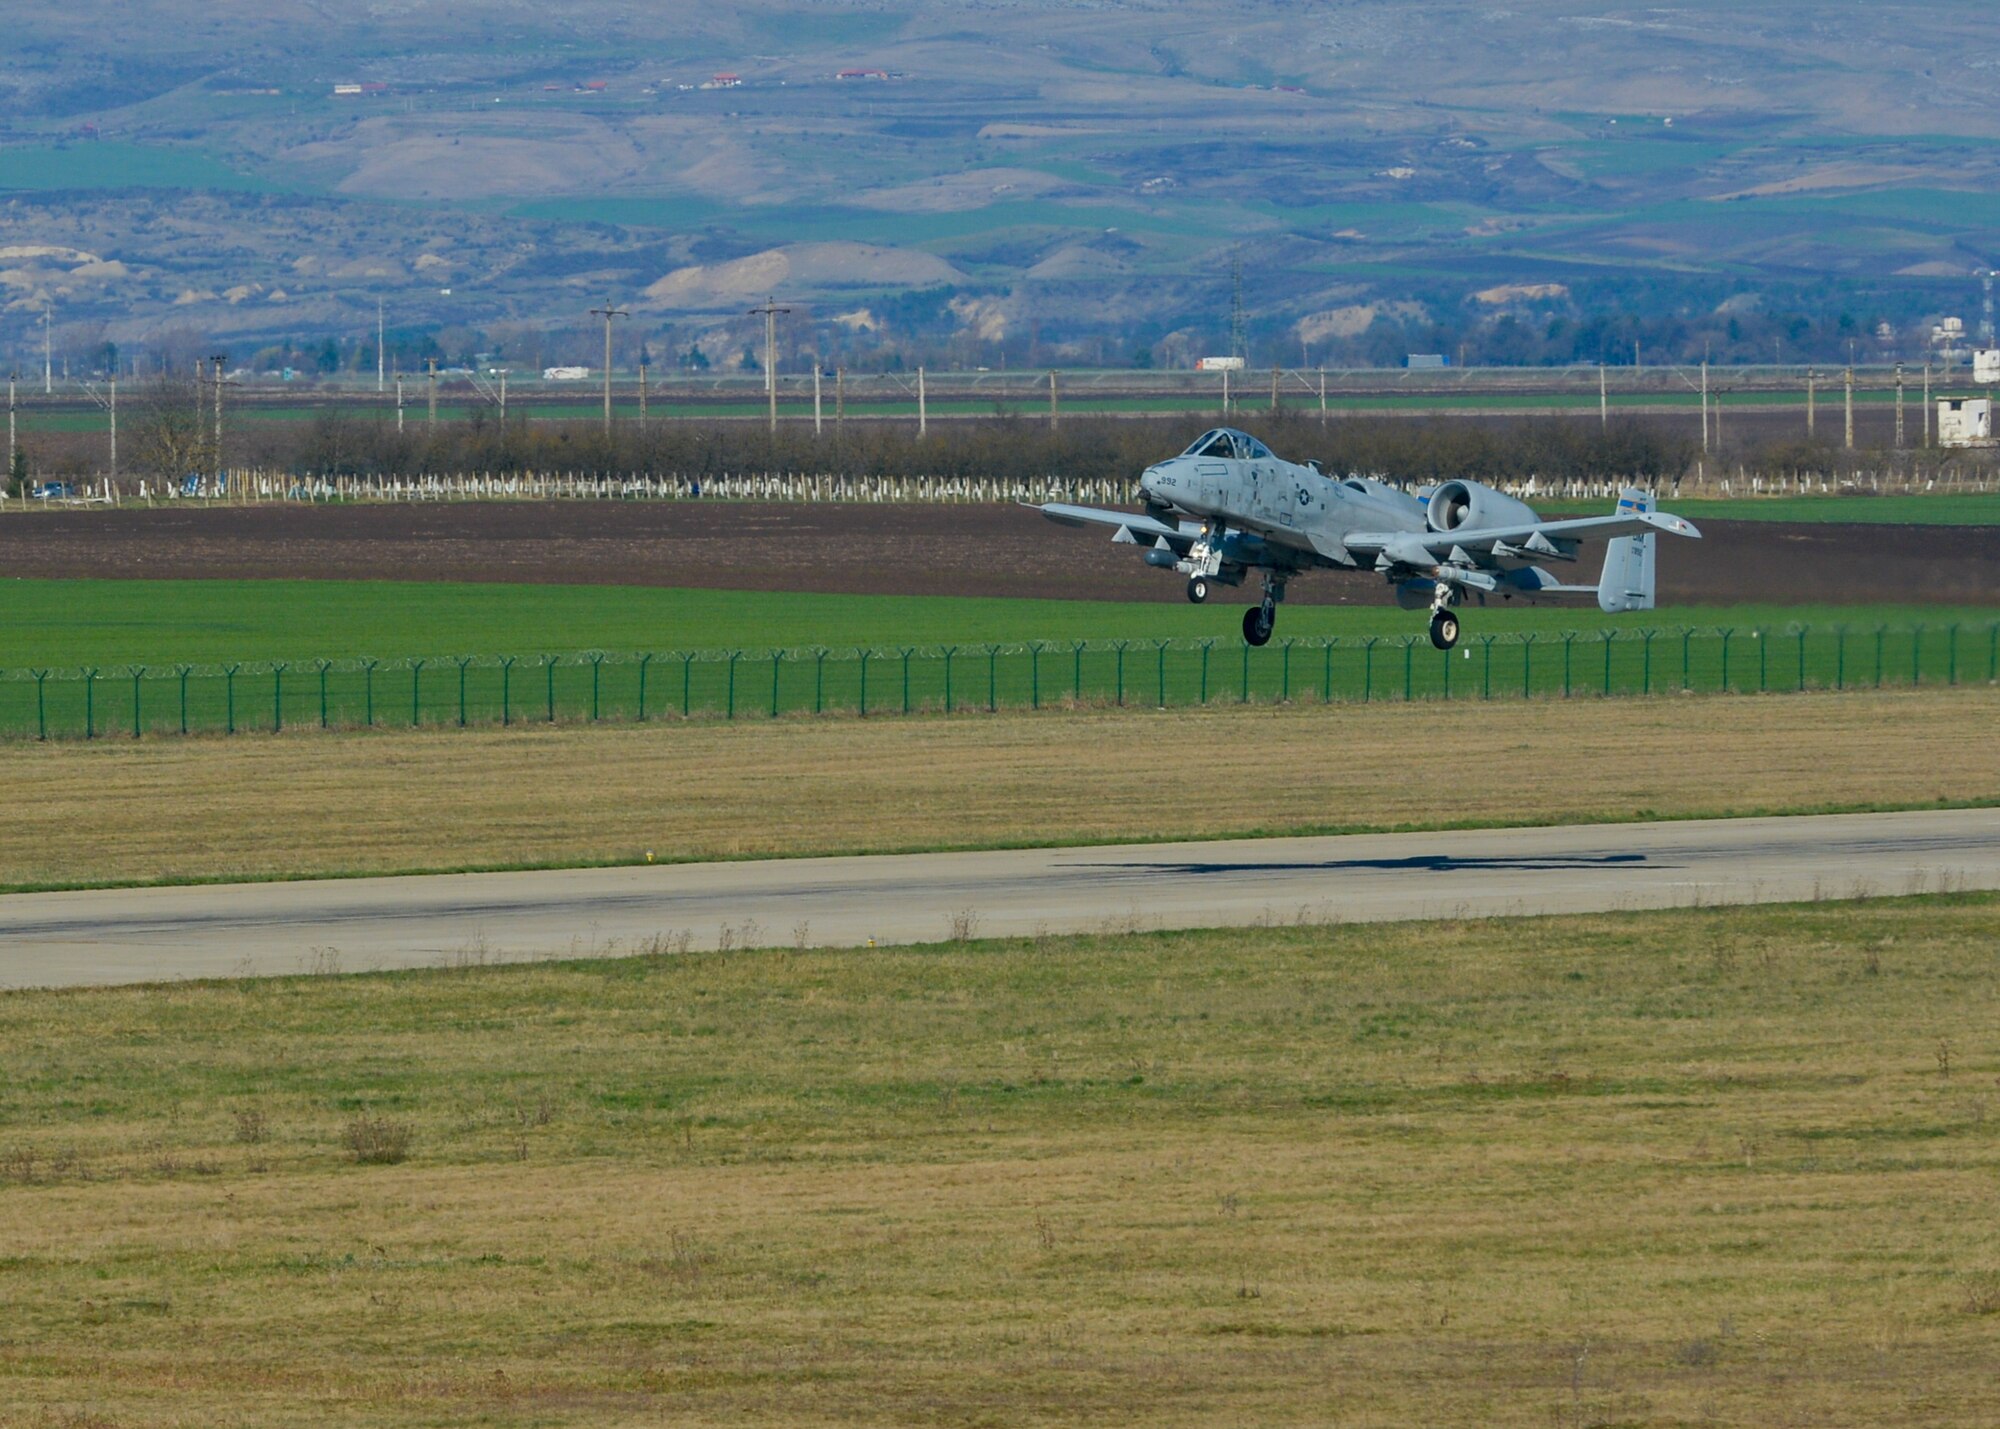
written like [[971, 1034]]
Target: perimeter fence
[[467, 690]]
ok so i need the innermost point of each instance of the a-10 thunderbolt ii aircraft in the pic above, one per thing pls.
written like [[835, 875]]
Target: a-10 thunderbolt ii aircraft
[[1227, 506]]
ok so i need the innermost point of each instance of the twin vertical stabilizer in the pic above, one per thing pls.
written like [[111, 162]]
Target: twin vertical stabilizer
[[1629, 561]]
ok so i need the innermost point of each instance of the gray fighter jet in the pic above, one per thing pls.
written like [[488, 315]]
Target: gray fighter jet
[[1227, 506]]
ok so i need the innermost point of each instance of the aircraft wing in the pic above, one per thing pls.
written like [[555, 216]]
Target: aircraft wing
[[1131, 528], [1543, 540]]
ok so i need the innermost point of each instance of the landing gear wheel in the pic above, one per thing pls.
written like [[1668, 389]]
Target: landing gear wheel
[[1258, 622], [1198, 590], [1444, 630]]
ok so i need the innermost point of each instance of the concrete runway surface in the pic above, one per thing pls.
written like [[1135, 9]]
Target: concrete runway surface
[[161, 934]]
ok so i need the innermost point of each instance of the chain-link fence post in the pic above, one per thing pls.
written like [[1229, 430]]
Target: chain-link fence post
[[1118, 646], [1646, 661], [687, 685], [549, 676], [1951, 653], [1285, 666], [138, 674], [1761, 635], [1916, 655], [1610, 634], [1076, 677], [819, 679], [1802, 655], [1527, 665], [1245, 693], [645, 663], [949, 651], [1725, 632], [1206, 646], [462, 661], [1035, 674], [992, 679], [42, 707], [1840, 657], [277, 697], [1326, 669], [1687, 677], [1486, 671], [416, 692], [596, 684], [507, 689], [322, 665], [184, 671], [730, 706], [1880, 631], [1569, 642], [1160, 659], [865, 656], [368, 689], [777, 659], [908, 651], [229, 697], [1368, 668]]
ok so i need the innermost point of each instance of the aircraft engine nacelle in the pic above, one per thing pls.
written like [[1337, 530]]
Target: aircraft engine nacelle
[[1474, 506]]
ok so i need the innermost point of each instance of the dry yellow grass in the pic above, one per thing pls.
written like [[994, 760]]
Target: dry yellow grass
[[313, 803], [1700, 1167]]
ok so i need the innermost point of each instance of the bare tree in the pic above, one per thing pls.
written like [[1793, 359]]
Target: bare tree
[[170, 439]]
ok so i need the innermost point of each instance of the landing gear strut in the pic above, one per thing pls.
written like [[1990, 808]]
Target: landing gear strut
[[1260, 620], [1444, 623]]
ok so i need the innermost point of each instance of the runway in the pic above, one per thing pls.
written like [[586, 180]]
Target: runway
[[164, 934]]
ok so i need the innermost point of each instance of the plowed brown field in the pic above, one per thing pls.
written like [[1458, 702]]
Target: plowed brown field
[[883, 549]]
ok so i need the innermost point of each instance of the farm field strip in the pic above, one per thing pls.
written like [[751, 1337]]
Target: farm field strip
[[553, 796], [1718, 1165]]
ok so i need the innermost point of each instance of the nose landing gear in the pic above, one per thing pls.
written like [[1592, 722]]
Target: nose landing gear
[[1197, 590]]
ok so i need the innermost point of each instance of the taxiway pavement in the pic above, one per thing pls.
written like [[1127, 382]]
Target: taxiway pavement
[[155, 934]]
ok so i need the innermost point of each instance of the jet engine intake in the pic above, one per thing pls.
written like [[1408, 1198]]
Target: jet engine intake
[[1474, 506]]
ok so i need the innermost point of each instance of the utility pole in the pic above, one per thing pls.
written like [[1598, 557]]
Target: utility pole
[[431, 403], [379, 358], [1239, 345], [1704, 406], [48, 349], [1322, 396], [399, 404], [218, 359], [1055, 413], [642, 394], [114, 424], [503, 397], [770, 312], [1850, 406], [1812, 382], [608, 312], [1274, 391], [12, 378], [1899, 406], [840, 399], [818, 426], [923, 410], [1927, 403], [1225, 392], [1603, 401]]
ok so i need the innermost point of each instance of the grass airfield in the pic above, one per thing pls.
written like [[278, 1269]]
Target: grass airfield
[[1715, 1166]]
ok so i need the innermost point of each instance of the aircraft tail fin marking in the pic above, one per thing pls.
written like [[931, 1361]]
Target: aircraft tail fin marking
[[1629, 561]]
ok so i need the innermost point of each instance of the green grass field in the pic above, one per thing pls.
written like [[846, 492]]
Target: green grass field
[[158, 623], [1942, 509], [1714, 1167]]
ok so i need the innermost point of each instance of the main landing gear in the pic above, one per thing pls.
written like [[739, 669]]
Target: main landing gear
[[1260, 620], [1444, 623]]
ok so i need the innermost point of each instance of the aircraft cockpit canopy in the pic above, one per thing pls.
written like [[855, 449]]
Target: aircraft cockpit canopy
[[1230, 444]]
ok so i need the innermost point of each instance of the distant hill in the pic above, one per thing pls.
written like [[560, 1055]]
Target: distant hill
[[1083, 175]]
